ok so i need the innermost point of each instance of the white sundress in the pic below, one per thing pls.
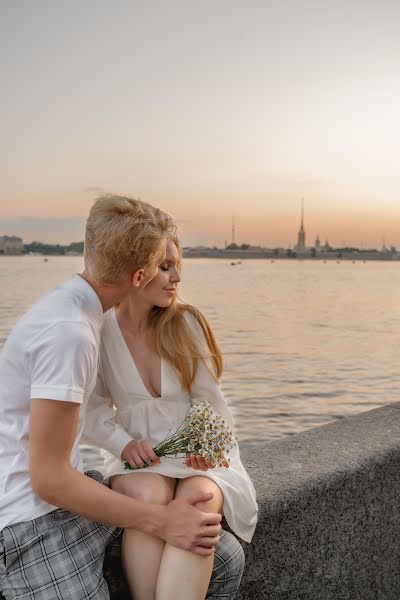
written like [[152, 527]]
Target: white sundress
[[143, 416]]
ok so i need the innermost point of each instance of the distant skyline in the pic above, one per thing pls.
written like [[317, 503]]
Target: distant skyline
[[66, 231], [207, 110]]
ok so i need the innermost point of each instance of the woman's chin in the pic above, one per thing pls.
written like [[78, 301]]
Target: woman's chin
[[164, 303]]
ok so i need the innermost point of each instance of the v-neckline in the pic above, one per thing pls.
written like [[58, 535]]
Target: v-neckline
[[139, 377]]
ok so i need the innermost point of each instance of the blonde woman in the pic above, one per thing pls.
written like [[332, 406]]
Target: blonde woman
[[158, 356]]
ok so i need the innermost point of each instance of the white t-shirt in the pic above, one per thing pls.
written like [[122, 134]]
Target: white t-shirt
[[52, 353]]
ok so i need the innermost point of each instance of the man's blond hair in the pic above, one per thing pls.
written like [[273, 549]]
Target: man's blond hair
[[122, 235]]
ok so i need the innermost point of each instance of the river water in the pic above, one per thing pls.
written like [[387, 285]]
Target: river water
[[305, 342]]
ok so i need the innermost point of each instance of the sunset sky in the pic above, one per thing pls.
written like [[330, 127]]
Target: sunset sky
[[207, 109]]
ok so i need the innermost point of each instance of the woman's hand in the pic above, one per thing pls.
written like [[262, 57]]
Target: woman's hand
[[138, 452], [200, 463]]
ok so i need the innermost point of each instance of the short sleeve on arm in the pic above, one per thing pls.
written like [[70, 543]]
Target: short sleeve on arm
[[61, 361]]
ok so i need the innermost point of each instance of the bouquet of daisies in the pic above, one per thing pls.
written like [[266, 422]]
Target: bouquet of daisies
[[203, 432]]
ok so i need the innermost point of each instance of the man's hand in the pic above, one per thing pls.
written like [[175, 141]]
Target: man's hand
[[188, 528], [138, 452]]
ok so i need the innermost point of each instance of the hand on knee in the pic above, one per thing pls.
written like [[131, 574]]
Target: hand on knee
[[213, 505], [145, 487], [187, 488]]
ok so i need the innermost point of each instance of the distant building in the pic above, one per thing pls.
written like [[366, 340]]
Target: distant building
[[301, 237], [301, 248], [11, 245]]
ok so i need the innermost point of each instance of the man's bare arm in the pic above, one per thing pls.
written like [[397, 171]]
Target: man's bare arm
[[52, 431]]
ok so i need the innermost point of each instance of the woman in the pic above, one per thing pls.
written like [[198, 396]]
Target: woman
[[158, 357]]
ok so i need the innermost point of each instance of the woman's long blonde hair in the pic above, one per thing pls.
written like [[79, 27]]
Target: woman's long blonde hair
[[179, 343]]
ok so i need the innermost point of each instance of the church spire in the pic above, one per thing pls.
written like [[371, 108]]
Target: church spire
[[301, 238]]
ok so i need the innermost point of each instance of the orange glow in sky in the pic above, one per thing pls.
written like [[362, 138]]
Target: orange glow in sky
[[207, 110]]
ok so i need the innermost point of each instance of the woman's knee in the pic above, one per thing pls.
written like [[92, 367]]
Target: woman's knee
[[187, 487], [150, 487]]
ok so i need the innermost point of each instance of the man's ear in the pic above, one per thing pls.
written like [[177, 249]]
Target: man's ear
[[137, 278]]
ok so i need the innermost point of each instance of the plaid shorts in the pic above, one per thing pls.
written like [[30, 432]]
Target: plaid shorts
[[59, 556]]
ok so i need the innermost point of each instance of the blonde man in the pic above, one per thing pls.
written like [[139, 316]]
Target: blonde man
[[55, 521]]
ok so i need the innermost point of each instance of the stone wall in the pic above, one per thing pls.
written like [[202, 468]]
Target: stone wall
[[329, 526]]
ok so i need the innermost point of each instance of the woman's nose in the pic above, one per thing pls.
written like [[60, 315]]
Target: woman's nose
[[175, 277]]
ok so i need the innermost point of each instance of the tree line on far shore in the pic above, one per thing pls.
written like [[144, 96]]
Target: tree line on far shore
[[53, 249]]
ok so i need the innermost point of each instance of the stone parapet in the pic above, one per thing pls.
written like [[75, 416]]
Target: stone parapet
[[329, 524]]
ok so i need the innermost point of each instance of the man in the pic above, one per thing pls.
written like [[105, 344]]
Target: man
[[55, 521]]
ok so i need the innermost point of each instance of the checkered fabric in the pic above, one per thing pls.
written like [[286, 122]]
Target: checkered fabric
[[59, 556], [228, 569]]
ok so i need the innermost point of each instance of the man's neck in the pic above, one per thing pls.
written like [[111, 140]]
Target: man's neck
[[109, 295]]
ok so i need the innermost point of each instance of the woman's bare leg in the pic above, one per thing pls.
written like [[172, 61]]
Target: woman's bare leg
[[141, 552], [182, 574]]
